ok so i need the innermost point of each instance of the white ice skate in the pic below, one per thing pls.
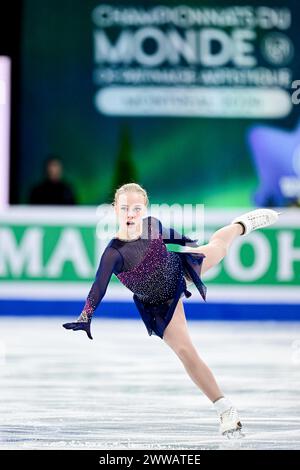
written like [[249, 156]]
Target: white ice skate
[[258, 218], [230, 424]]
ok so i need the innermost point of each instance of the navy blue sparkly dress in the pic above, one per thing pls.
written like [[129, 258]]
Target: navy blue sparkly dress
[[157, 277]]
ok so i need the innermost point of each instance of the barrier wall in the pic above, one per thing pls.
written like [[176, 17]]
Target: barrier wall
[[49, 257]]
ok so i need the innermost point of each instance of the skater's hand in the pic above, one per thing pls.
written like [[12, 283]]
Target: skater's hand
[[80, 325]]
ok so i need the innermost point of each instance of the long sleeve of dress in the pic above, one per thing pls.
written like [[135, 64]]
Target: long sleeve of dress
[[111, 260], [170, 235]]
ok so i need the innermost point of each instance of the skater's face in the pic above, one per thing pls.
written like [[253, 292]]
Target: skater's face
[[130, 208]]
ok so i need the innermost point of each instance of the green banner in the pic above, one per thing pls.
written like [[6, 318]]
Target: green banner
[[46, 251]]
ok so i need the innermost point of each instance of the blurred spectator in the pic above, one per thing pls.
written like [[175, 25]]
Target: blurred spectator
[[53, 189]]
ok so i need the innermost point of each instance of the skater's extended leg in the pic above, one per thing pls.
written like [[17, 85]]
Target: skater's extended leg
[[218, 245], [177, 336], [221, 240]]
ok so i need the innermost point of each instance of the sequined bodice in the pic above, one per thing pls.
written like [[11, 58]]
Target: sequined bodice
[[154, 278], [144, 265]]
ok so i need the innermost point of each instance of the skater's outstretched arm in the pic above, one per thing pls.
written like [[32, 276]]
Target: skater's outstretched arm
[[111, 260]]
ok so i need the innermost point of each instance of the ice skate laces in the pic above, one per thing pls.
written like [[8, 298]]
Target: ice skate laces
[[230, 415], [259, 220]]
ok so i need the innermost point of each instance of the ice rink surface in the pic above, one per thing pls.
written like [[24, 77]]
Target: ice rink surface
[[127, 390]]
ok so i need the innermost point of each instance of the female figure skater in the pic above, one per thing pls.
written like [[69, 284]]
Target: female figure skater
[[158, 278]]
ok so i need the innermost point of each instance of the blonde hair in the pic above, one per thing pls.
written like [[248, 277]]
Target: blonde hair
[[130, 187]]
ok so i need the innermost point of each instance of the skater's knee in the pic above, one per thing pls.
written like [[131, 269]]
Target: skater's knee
[[180, 346], [186, 352]]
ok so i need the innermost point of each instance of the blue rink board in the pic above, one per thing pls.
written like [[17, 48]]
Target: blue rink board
[[196, 311]]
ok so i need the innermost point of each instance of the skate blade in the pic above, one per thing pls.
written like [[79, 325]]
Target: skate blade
[[234, 434]]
